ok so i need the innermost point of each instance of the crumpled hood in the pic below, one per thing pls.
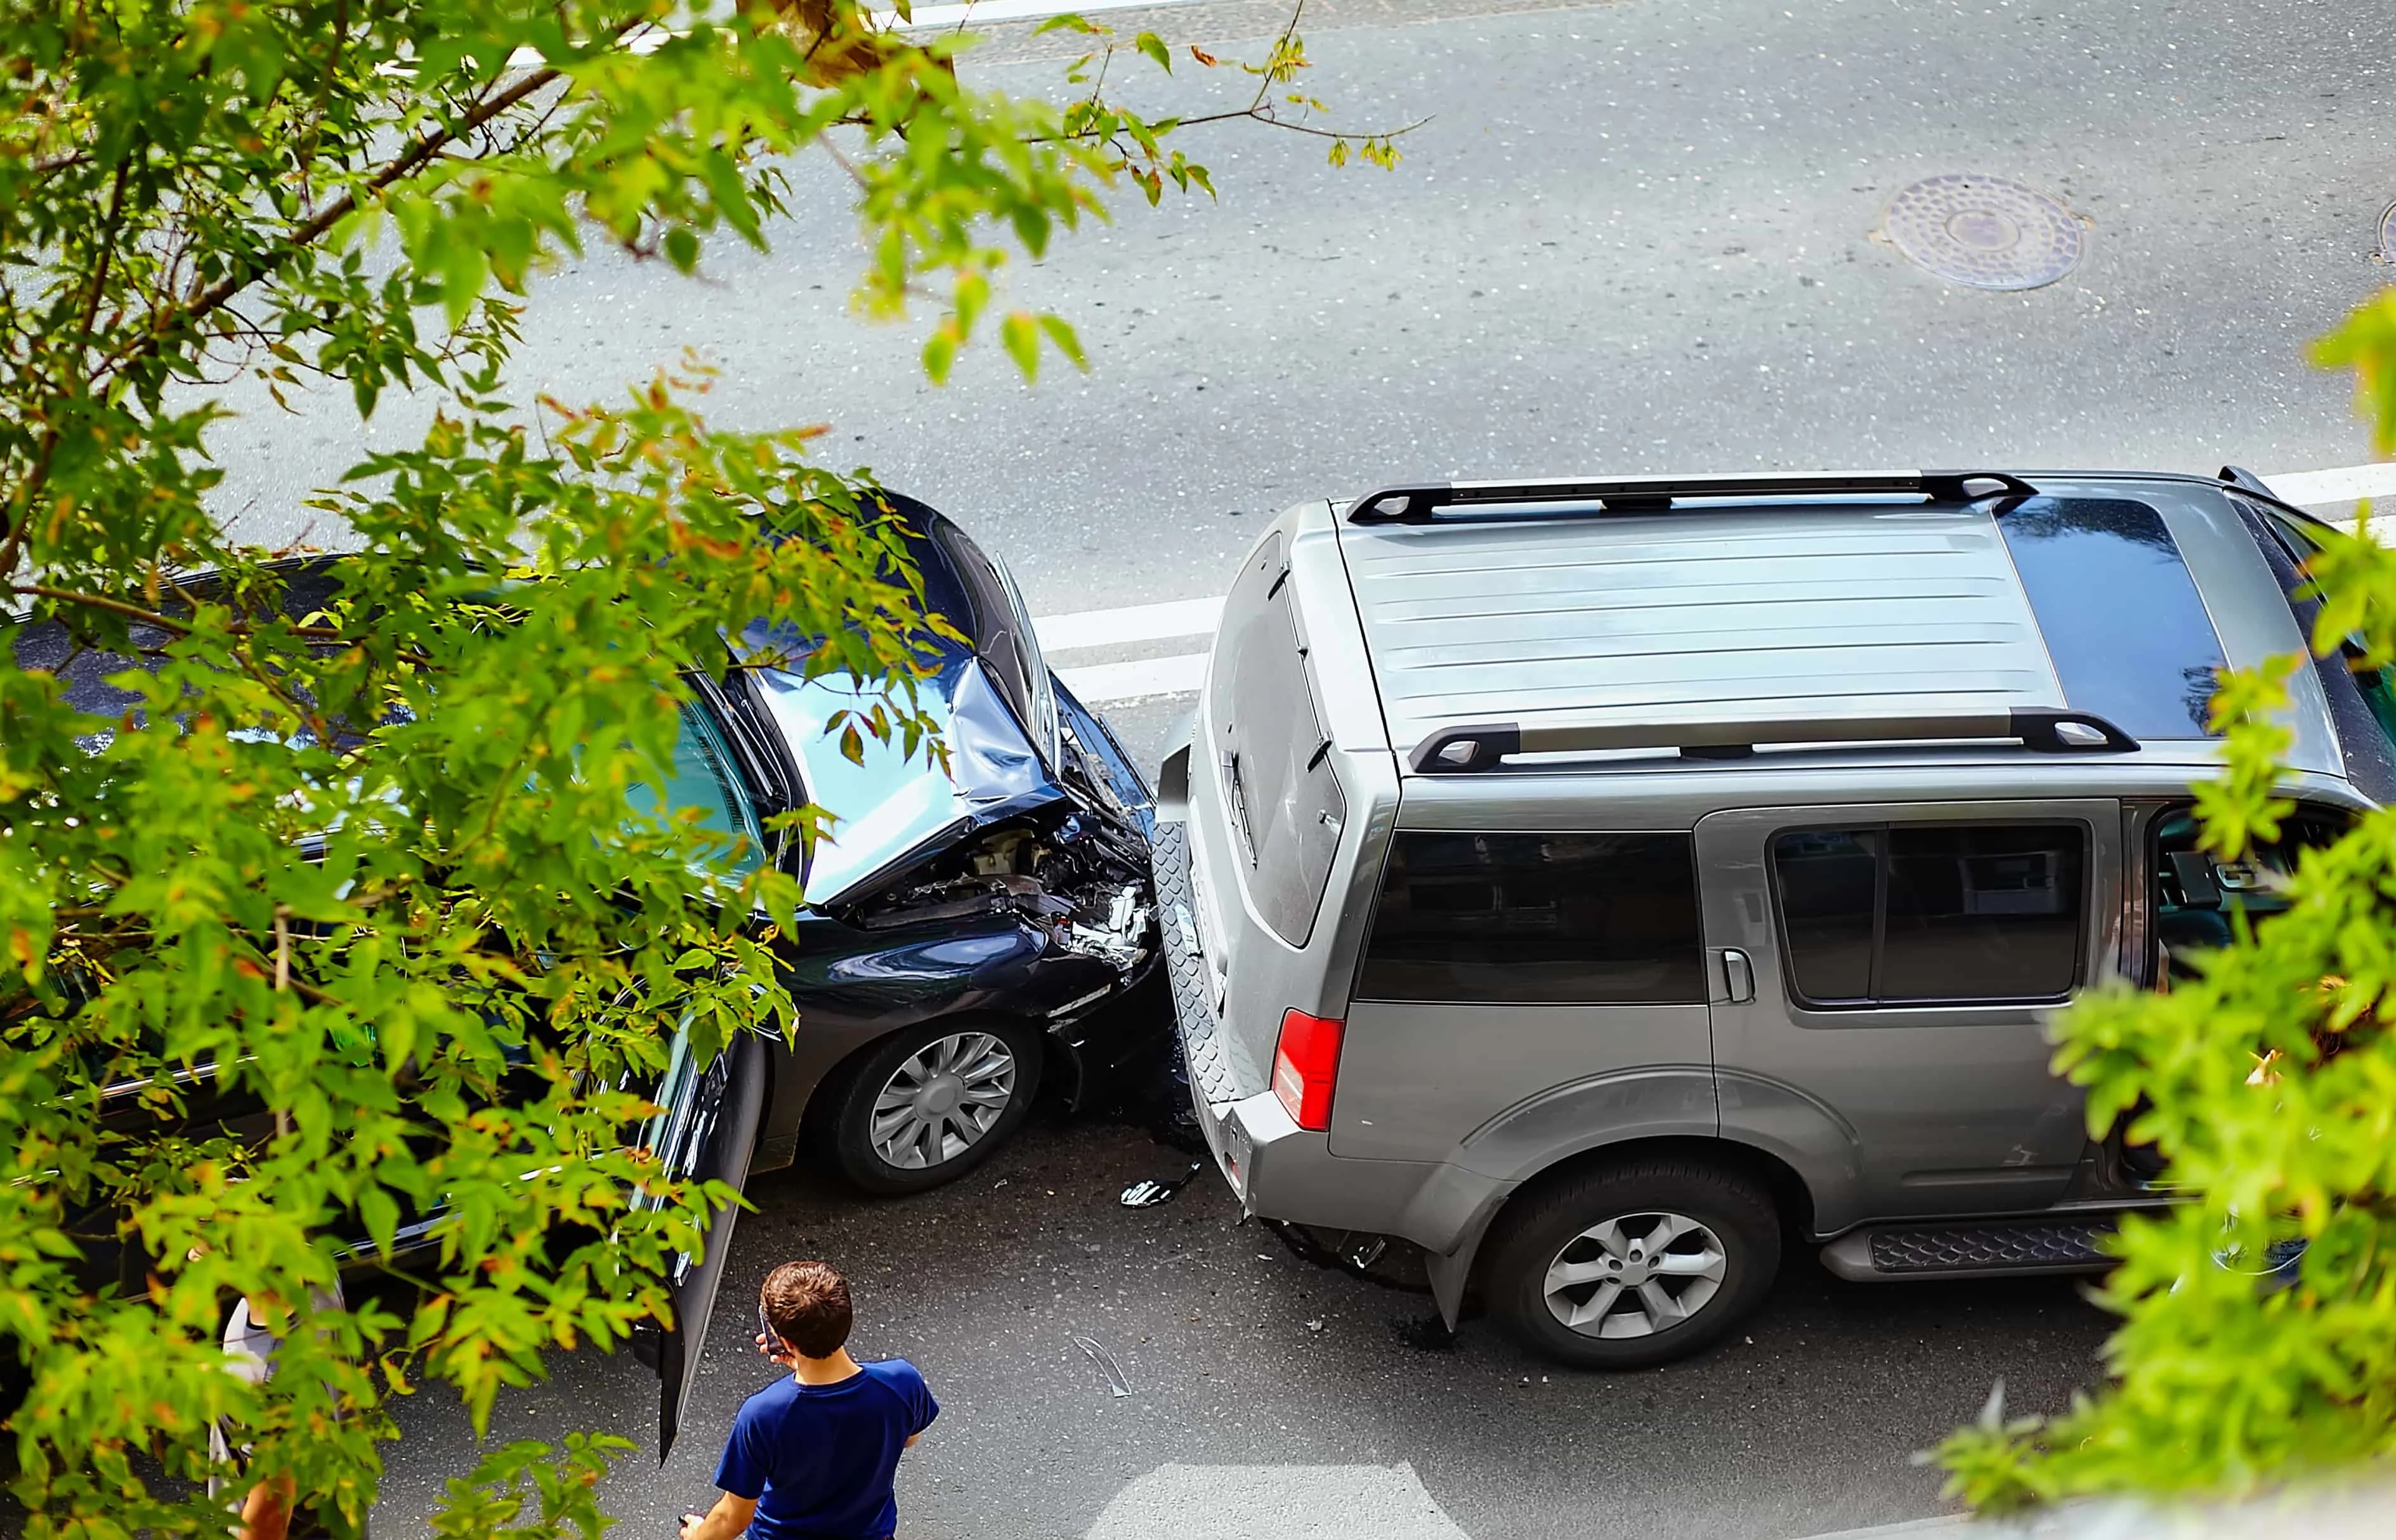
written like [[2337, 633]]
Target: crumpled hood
[[892, 806]]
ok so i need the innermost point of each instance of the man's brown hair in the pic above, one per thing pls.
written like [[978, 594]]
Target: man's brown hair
[[806, 1302]]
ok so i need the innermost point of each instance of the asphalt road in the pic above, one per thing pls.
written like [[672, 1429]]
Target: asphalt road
[[1242, 1359], [1631, 237]]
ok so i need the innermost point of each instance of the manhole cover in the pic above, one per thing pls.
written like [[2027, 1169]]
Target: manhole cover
[[2386, 252], [1984, 230]]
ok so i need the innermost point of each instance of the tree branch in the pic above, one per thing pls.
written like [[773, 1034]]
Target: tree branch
[[417, 156], [21, 517]]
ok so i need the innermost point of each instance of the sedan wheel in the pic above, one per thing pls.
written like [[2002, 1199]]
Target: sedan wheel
[[942, 1101], [924, 1107]]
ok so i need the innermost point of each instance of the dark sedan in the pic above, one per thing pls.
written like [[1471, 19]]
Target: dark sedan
[[965, 925]]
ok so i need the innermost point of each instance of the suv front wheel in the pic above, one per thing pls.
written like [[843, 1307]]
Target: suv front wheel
[[1626, 1265]]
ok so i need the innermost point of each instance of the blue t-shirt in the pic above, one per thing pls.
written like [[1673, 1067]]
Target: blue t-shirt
[[820, 1458]]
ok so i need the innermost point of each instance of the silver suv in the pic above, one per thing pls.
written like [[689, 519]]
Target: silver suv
[[1599, 883]]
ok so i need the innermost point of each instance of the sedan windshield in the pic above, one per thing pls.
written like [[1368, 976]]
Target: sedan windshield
[[702, 777]]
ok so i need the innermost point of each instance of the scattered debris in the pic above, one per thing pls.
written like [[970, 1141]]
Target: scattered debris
[[1315, 1325], [1116, 1383], [1149, 1191]]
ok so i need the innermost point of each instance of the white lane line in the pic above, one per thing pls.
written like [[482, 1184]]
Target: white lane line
[[648, 39], [2346, 485], [1150, 676], [1179, 675], [987, 12], [1259, 1502], [1139, 623]]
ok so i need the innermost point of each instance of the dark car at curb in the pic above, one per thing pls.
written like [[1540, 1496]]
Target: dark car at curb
[[969, 934]]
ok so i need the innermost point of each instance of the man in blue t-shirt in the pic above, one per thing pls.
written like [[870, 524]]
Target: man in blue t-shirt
[[811, 1457]]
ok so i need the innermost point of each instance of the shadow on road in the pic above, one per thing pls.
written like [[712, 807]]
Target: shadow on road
[[1241, 1359]]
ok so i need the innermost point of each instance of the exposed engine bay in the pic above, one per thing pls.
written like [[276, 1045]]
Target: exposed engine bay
[[1083, 882]]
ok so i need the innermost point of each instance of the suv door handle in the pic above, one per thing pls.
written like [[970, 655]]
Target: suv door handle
[[1737, 975]]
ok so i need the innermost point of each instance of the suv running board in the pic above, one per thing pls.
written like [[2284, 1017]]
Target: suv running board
[[1889, 1254]]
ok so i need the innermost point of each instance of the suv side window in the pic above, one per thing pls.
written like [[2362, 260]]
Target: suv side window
[[1932, 913], [1537, 919], [2199, 898], [1278, 784]]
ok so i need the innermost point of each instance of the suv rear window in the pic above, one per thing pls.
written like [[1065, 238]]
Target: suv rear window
[[1930, 914], [1278, 787], [2122, 618], [1537, 919]]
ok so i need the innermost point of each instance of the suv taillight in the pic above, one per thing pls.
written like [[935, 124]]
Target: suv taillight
[[1306, 1063]]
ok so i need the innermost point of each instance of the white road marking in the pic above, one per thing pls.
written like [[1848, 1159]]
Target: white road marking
[[988, 12], [1259, 1502], [2346, 485], [1150, 676], [648, 39], [1139, 623], [1183, 674]]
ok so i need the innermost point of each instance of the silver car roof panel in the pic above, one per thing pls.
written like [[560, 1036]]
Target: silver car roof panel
[[1814, 610], [1869, 610]]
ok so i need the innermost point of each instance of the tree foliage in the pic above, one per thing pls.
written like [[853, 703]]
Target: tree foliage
[[2269, 1082], [367, 860]]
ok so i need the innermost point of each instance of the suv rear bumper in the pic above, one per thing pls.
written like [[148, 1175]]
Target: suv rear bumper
[[1279, 1170]]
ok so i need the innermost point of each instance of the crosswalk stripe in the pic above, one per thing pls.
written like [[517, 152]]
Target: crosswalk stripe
[[991, 12], [1152, 676]]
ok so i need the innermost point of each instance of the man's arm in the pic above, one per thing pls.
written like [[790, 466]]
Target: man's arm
[[724, 1521]]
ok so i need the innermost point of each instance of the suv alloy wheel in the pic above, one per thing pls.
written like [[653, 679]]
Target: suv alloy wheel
[[1623, 1266]]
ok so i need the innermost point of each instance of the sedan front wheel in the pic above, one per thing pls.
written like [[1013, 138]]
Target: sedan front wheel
[[930, 1103]]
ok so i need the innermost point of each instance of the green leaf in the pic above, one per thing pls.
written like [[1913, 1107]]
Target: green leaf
[[1153, 46], [1020, 333], [682, 248], [1061, 335], [941, 352]]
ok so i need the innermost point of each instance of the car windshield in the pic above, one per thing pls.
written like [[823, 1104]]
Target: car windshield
[[702, 777], [2378, 686]]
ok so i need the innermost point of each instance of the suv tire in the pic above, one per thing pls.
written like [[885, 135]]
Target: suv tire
[[974, 1081], [1626, 1265]]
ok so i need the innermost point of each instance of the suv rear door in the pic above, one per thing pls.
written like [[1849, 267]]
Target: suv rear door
[[1554, 974], [1891, 968]]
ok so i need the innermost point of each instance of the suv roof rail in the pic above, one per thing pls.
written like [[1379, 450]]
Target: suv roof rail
[[1421, 504], [1462, 751]]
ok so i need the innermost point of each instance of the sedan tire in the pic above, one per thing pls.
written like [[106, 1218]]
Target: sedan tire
[[929, 1103], [1628, 1265]]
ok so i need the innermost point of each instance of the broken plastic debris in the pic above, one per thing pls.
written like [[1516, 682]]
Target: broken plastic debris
[[1315, 1325], [1116, 1383], [1149, 1191]]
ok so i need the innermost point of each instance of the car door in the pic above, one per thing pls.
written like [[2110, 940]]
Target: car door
[[1524, 995], [705, 1132], [1883, 978]]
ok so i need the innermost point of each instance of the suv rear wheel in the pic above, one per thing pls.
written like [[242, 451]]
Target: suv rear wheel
[[1623, 1266], [928, 1105]]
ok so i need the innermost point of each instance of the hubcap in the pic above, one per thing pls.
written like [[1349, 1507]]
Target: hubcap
[[1635, 1275], [942, 1100]]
